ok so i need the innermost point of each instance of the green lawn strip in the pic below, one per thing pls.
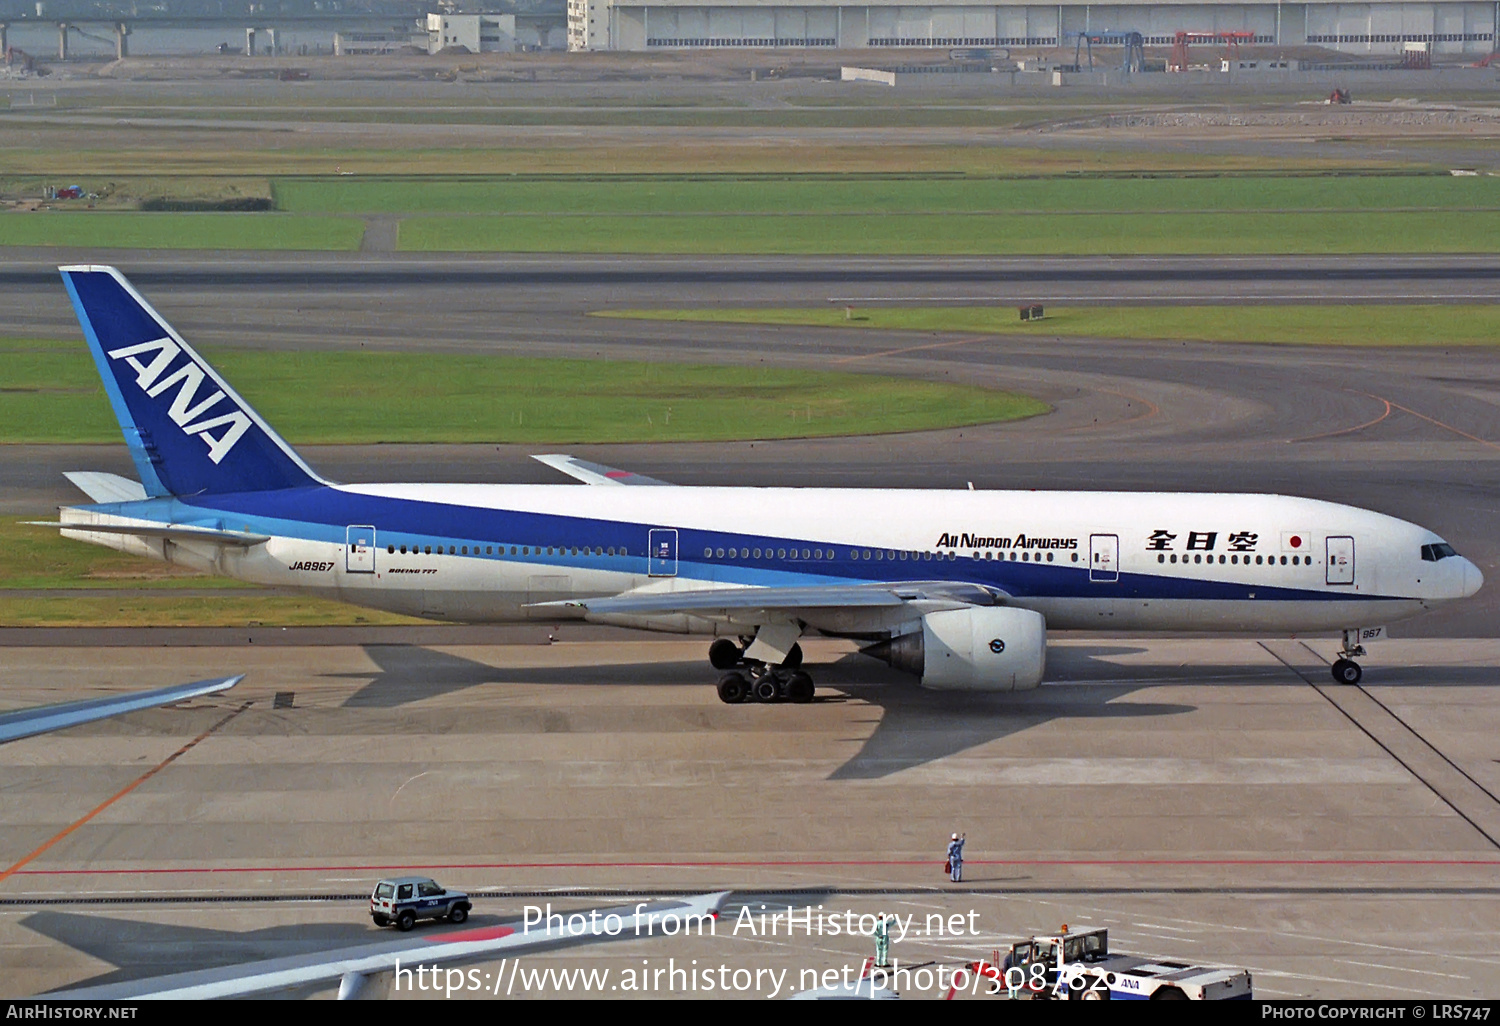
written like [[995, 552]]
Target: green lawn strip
[[40, 557], [134, 230], [1366, 325], [52, 394], [950, 234], [857, 194], [228, 610]]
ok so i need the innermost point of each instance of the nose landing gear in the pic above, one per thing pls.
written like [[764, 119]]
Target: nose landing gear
[[1345, 669]]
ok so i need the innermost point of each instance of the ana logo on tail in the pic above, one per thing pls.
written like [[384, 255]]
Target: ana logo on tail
[[186, 412]]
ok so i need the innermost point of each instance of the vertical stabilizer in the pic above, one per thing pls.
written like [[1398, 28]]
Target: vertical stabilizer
[[187, 430]]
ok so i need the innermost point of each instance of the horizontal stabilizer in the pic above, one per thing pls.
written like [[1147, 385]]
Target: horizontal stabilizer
[[818, 596], [40, 719], [176, 532], [595, 473], [102, 487]]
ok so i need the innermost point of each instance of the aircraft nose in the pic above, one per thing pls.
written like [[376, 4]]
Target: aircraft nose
[[1473, 579]]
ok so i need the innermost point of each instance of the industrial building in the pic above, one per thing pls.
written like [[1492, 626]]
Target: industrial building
[[1454, 29]]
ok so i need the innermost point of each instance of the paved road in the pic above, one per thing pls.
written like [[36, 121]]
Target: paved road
[[1204, 800]]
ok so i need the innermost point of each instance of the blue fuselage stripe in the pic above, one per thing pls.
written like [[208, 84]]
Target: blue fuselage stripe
[[323, 514]]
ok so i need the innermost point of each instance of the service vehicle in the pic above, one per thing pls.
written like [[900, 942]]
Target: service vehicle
[[1078, 965], [402, 900]]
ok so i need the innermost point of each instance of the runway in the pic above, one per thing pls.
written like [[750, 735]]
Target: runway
[[1207, 799], [1200, 798]]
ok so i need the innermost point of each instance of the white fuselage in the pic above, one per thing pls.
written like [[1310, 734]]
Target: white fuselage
[[1084, 560]]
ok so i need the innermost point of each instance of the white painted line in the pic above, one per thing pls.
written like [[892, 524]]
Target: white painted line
[[1400, 969]]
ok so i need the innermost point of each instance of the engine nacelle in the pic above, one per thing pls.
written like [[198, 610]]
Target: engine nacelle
[[991, 648]]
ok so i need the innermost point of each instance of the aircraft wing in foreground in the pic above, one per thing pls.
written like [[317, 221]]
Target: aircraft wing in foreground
[[362, 970], [43, 718]]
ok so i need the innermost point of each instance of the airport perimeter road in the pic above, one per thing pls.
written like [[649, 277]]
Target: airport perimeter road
[[1205, 800]]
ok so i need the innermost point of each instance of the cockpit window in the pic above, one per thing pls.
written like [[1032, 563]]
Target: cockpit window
[[1436, 551]]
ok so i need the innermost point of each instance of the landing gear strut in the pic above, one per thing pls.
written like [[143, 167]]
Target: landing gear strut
[[1345, 669]]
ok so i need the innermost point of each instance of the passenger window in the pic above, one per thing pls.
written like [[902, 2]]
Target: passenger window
[[757, 553], [429, 890], [465, 551], [866, 554], [1197, 559], [708, 553], [1174, 557], [1159, 557], [719, 553], [733, 553], [403, 892], [781, 553], [1257, 560], [1049, 557], [427, 550], [391, 549]]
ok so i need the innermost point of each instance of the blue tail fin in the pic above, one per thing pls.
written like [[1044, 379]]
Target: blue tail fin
[[187, 430]]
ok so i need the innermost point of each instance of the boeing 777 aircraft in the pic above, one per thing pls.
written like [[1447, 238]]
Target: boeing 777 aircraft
[[957, 588]]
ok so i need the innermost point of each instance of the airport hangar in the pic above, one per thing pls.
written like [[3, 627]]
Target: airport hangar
[[1455, 29]]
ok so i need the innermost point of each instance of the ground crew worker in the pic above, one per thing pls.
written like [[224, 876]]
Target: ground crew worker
[[956, 857], [882, 941]]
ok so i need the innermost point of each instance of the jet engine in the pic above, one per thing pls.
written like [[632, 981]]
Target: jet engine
[[992, 648]]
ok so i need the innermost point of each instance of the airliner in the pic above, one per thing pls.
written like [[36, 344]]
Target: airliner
[[957, 588]]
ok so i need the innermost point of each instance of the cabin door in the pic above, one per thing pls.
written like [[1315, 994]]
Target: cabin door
[[1340, 560], [1104, 558]]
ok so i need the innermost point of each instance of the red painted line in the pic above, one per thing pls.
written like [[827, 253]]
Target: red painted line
[[482, 934], [1207, 863]]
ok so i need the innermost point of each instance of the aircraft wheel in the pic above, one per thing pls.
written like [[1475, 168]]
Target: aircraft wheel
[[406, 920], [793, 658], [1347, 671], [724, 654], [766, 689], [800, 688], [733, 688]]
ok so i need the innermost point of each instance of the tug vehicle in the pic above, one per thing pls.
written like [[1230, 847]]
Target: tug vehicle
[[1078, 966]]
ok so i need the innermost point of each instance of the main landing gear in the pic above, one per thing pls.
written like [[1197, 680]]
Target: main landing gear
[[1345, 669], [751, 680]]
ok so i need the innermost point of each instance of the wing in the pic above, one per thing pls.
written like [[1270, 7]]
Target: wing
[[26, 722], [818, 596], [595, 473], [176, 532], [355, 966]]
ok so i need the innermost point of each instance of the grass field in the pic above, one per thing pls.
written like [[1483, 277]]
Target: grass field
[[52, 394], [962, 234], [1295, 325], [852, 194], [135, 230], [165, 610]]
